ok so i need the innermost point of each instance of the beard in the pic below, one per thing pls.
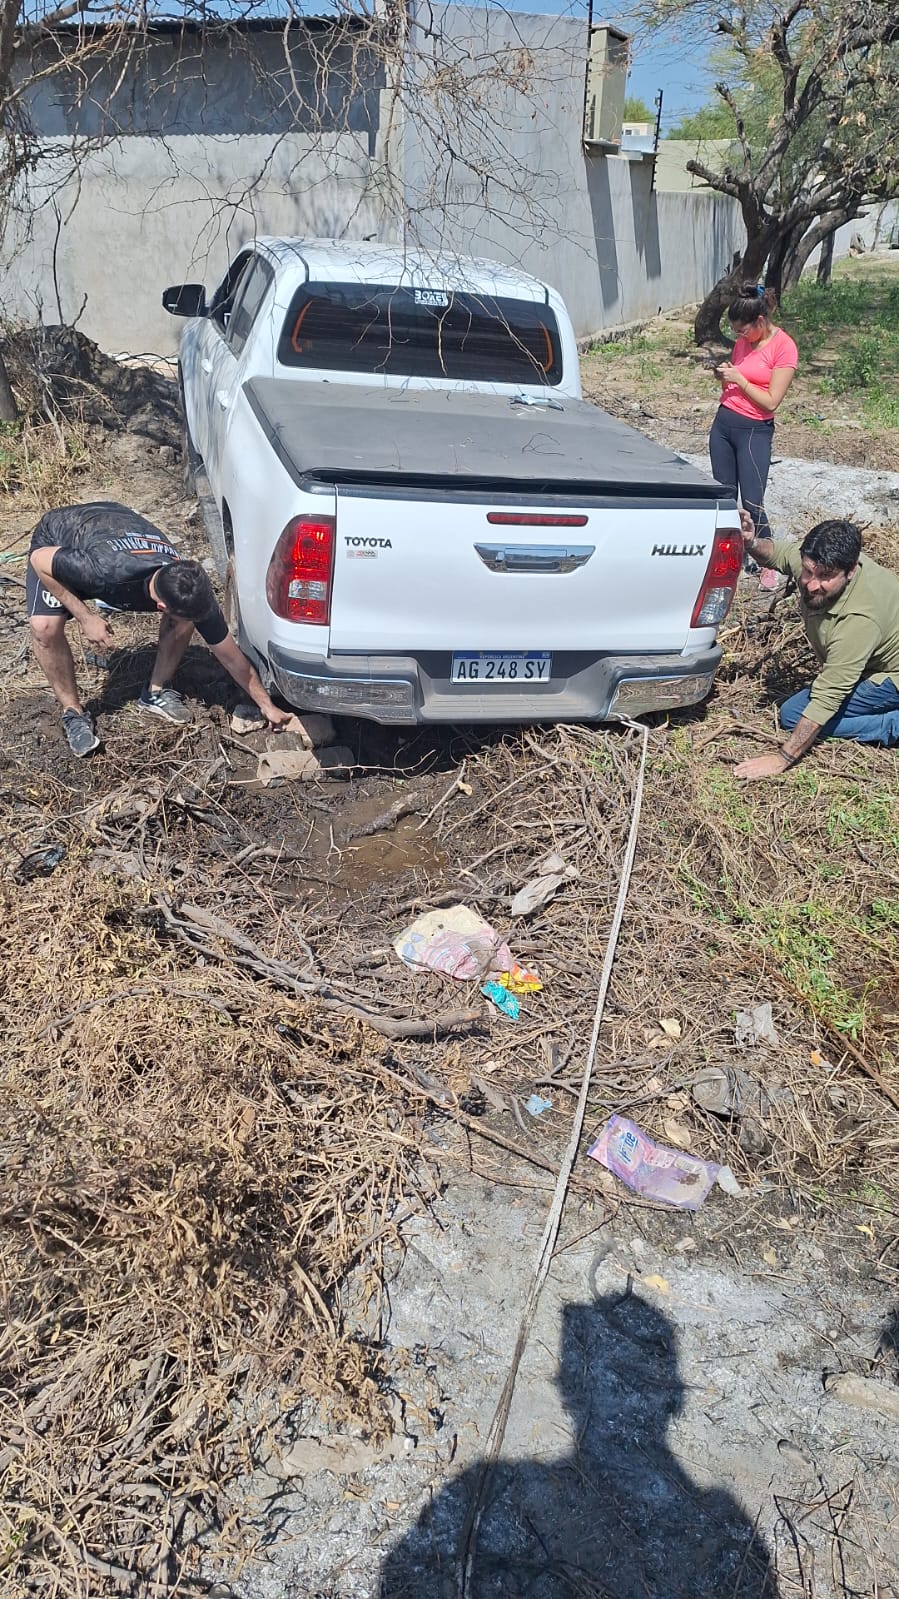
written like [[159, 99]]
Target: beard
[[814, 602]]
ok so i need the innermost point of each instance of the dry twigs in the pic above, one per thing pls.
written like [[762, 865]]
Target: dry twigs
[[205, 1135], [183, 1194], [200, 929]]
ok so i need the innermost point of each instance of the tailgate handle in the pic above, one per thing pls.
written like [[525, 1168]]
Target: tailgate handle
[[534, 557]]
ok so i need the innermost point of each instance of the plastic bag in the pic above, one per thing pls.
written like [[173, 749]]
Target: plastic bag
[[456, 942], [653, 1170]]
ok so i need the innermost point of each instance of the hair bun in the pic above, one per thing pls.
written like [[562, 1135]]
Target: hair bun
[[753, 301]]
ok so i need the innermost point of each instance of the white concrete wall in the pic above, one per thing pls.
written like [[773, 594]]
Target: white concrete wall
[[876, 228], [498, 170], [150, 212], [522, 188], [672, 156]]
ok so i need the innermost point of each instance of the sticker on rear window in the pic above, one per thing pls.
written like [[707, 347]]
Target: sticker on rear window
[[432, 297]]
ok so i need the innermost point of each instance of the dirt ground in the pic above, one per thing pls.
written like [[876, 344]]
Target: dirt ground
[[658, 380], [675, 1432]]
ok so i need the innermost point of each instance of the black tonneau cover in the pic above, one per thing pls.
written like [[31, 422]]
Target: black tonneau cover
[[346, 433]]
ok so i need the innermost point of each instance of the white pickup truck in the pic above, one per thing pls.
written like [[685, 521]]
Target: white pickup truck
[[421, 520]]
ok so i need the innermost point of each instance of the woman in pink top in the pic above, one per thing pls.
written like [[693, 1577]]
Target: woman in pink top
[[753, 383]]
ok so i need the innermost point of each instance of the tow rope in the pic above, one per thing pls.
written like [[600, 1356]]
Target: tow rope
[[466, 1550]]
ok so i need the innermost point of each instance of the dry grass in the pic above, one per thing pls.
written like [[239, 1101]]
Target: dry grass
[[201, 1164], [195, 1161], [192, 1164], [42, 464], [784, 892], [189, 1187]]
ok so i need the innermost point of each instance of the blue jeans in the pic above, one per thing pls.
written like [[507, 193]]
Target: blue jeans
[[870, 714]]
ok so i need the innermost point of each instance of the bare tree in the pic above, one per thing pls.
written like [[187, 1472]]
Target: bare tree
[[813, 97]]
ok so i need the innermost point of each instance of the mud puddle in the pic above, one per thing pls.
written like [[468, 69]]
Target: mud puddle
[[365, 860], [358, 833]]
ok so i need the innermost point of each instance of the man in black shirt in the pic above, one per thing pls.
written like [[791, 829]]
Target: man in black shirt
[[105, 552]]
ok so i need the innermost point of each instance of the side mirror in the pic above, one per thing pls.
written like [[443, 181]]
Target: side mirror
[[185, 299]]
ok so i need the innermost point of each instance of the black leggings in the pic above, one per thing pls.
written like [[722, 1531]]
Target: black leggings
[[740, 453]]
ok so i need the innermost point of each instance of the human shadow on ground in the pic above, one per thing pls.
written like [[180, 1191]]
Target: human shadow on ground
[[617, 1517]]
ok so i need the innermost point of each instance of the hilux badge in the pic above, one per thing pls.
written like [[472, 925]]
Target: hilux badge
[[678, 549]]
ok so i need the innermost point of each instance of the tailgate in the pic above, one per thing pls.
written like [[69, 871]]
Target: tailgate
[[445, 574]]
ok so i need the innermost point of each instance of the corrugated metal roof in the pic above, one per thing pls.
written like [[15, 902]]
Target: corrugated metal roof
[[169, 26]]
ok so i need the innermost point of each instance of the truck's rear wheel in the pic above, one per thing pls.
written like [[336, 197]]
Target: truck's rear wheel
[[231, 608]]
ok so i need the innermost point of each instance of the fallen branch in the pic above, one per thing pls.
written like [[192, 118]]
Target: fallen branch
[[452, 1021], [197, 927], [135, 993], [448, 793], [382, 823]]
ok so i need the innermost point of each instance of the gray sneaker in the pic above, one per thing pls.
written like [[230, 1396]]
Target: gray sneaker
[[79, 730], [166, 703]]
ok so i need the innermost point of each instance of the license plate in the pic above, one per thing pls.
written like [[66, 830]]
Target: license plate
[[486, 667]]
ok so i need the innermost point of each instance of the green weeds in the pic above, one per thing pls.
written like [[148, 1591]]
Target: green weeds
[[850, 329], [870, 815], [727, 800], [817, 313], [803, 907], [806, 938], [613, 349]]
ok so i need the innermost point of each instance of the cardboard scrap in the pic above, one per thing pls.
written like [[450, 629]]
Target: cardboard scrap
[[756, 1026], [303, 766]]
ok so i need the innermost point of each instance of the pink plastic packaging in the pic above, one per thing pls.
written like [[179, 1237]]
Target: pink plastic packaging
[[653, 1170], [456, 942]]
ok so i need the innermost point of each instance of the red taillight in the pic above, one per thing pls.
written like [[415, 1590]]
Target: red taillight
[[719, 585], [533, 519], [298, 583]]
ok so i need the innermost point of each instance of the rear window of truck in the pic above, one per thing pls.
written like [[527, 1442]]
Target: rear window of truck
[[352, 327]]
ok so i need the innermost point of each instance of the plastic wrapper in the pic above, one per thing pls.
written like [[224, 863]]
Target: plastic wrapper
[[520, 981], [652, 1170], [505, 1001], [456, 942]]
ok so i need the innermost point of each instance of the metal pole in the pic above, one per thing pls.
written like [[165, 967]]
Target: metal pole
[[655, 141]]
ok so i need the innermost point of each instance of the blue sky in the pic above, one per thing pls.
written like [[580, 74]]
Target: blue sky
[[666, 63]]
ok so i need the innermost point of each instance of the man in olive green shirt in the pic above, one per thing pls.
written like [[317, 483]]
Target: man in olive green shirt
[[850, 610]]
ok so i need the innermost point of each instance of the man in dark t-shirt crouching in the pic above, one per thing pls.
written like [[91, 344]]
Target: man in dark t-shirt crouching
[[104, 551]]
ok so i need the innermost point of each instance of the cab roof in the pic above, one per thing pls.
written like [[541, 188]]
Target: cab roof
[[348, 260]]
